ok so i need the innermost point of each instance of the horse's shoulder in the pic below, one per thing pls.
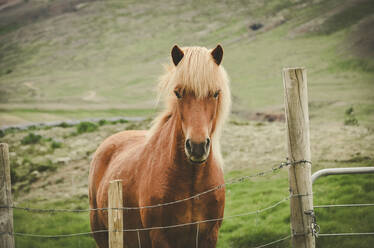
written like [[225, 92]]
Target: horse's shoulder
[[120, 139], [112, 146], [123, 136], [111, 149]]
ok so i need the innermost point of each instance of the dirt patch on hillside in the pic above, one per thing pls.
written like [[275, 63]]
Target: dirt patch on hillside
[[268, 116], [361, 40], [4, 4], [18, 13], [334, 18]]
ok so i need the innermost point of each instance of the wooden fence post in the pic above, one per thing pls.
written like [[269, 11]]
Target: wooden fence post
[[6, 214], [299, 174], [115, 216]]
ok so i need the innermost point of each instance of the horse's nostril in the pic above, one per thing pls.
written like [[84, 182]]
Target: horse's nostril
[[188, 146], [207, 143]]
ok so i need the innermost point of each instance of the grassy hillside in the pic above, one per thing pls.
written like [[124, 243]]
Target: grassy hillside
[[79, 58], [105, 55]]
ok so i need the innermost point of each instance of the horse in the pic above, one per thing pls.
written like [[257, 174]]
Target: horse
[[178, 157]]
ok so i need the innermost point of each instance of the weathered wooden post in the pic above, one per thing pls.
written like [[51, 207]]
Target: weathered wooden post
[[6, 214], [115, 214], [297, 124]]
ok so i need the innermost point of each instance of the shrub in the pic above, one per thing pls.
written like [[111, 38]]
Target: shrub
[[103, 122], [43, 166], [56, 144], [351, 121], [85, 127], [32, 127], [60, 180], [350, 118], [31, 138], [63, 125], [28, 171], [349, 111]]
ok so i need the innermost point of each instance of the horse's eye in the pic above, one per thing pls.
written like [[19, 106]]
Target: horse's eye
[[177, 94], [216, 94]]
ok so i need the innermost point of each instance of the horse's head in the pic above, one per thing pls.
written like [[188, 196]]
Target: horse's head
[[198, 92], [198, 116]]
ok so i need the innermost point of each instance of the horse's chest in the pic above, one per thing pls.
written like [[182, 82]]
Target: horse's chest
[[193, 209], [199, 209]]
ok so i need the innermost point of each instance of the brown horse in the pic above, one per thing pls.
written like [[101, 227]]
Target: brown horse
[[177, 158]]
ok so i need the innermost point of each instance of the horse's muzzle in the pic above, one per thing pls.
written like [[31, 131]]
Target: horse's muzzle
[[197, 153]]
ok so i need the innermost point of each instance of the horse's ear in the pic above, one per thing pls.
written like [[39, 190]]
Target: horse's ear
[[177, 55], [217, 54]]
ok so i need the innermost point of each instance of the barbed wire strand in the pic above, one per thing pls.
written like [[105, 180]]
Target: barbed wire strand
[[229, 182], [53, 236], [209, 220], [346, 205], [274, 242], [344, 234]]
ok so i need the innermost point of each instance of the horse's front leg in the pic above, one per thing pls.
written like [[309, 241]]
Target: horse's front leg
[[209, 238], [159, 239]]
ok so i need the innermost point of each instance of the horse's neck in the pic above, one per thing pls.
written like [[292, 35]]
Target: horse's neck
[[170, 139], [167, 142], [168, 145]]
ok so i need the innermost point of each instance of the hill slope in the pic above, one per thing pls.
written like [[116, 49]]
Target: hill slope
[[107, 54]]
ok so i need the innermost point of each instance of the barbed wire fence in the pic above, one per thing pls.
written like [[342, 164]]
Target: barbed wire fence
[[242, 179]]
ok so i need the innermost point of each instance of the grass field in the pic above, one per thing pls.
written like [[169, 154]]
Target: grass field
[[239, 232], [78, 59]]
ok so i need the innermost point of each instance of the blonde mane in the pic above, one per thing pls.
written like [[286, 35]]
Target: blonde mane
[[198, 73]]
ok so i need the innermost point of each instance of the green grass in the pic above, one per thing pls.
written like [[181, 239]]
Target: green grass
[[54, 223], [255, 230], [345, 190], [86, 126], [31, 138]]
